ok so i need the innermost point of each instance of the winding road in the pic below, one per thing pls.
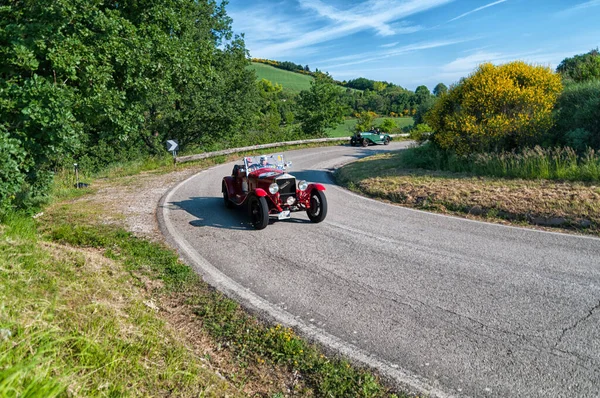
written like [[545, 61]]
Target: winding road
[[440, 305]]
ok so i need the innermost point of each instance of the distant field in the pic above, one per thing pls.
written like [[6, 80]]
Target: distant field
[[290, 81], [344, 129]]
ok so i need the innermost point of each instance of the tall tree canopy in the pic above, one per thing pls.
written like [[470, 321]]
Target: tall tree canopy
[[320, 106], [99, 79], [581, 68]]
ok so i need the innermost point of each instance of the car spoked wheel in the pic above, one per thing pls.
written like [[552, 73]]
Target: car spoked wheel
[[386, 141], [318, 206], [365, 142], [226, 200], [259, 212]]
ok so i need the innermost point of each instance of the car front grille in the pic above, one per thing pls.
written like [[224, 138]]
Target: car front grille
[[287, 186]]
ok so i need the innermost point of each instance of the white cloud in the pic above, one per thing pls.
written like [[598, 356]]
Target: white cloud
[[477, 9], [470, 62], [371, 56], [377, 15], [389, 45], [464, 66], [581, 6]]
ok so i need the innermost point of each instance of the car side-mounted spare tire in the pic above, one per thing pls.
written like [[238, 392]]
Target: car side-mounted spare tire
[[226, 199]]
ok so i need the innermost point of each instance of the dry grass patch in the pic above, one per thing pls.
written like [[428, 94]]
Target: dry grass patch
[[569, 205]]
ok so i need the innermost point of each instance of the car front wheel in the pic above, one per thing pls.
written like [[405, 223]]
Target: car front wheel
[[318, 206], [365, 142], [259, 212], [386, 141]]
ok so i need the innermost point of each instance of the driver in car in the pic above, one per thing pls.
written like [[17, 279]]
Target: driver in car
[[263, 162]]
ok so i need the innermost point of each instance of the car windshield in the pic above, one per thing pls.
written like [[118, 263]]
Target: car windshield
[[275, 161]]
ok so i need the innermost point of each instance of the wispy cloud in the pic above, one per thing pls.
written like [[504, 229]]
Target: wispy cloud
[[382, 16], [477, 9], [463, 66], [389, 45], [371, 56], [580, 6]]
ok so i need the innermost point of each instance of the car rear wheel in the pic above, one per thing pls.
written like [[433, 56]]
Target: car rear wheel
[[318, 206], [386, 141], [226, 200], [259, 212], [365, 142]]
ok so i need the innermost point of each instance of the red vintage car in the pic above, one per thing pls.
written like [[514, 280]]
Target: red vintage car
[[263, 185]]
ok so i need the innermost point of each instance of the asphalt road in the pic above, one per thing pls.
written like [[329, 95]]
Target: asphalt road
[[441, 305]]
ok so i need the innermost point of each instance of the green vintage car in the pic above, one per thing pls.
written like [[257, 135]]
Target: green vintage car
[[370, 137]]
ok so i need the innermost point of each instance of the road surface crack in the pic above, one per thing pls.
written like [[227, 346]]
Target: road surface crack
[[577, 322]]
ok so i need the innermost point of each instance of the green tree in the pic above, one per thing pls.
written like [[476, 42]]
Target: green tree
[[320, 107], [98, 81], [578, 116], [440, 89], [423, 108], [581, 68], [388, 125], [422, 94], [496, 108], [365, 121]]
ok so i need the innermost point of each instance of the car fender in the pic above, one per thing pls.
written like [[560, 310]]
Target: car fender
[[317, 186], [229, 183], [260, 192]]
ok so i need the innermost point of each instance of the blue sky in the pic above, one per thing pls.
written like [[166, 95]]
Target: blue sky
[[415, 42]]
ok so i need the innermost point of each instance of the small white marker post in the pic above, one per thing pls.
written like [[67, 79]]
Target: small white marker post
[[76, 166]]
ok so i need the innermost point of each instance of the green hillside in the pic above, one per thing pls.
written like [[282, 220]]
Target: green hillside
[[290, 81]]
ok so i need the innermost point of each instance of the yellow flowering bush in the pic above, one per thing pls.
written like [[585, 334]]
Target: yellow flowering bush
[[496, 108]]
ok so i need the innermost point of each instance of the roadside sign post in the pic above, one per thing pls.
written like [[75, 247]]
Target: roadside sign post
[[173, 146]]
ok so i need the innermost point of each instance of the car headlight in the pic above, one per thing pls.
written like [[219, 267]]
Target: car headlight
[[273, 188], [290, 200], [302, 185]]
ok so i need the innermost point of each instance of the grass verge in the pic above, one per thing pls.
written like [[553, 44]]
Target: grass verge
[[97, 311], [529, 163], [546, 203]]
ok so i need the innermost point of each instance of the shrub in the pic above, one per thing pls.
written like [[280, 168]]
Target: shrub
[[496, 108], [388, 125], [578, 113], [420, 133], [365, 121], [12, 169]]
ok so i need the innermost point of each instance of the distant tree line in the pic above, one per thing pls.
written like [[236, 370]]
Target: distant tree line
[[96, 83]]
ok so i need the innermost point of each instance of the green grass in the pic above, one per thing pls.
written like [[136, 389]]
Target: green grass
[[346, 128], [74, 306], [535, 163], [290, 81], [78, 323]]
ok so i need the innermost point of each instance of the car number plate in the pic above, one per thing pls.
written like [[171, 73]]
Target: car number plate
[[284, 214]]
